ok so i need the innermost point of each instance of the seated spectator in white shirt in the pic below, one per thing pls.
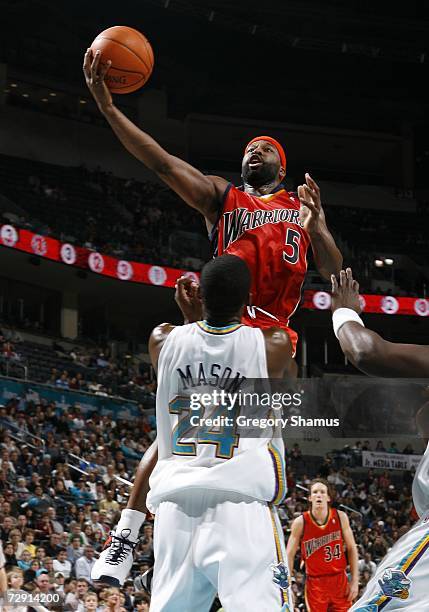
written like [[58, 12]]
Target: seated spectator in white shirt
[[62, 564], [367, 564], [84, 564]]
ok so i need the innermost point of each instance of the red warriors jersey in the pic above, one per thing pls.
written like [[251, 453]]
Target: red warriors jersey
[[322, 546], [266, 232]]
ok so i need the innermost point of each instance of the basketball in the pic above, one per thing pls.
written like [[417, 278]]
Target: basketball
[[131, 56]]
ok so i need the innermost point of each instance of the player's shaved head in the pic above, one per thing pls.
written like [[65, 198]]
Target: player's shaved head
[[224, 285]]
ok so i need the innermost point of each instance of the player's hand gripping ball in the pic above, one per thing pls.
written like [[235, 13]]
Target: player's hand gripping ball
[[130, 56]]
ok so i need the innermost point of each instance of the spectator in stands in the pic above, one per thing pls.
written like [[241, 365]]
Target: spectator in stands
[[62, 382], [384, 480], [109, 504], [81, 493], [53, 546], [141, 603], [74, 549], [28, 542], [62, 564], [15, 538], [147, 539], [112, 600], [6, 528], [48, 567], [30, 574], [84, 564], [40, 553], [90, 602], [55, 524], [393, 448], [367, 564], [45, 587], [24, 562], [379, 548]]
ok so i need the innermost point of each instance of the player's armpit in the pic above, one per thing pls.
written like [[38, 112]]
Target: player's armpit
[[202, 192], [156, 341], [373, 355]]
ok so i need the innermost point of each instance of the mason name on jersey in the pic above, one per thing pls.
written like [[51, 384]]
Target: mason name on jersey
[[214, 374], [240, 220]]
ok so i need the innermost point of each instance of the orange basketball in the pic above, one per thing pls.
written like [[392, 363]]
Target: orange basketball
[[131, 56]]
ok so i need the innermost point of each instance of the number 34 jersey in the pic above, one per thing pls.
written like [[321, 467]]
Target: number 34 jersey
[[196, 454], [266, 232], [322, 546]]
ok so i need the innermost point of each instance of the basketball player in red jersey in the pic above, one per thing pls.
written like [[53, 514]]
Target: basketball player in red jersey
[[323, 532], [261, 222]]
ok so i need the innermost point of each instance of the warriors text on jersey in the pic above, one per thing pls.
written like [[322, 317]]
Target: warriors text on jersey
[[322, 546], [266, 232], [194, 359]]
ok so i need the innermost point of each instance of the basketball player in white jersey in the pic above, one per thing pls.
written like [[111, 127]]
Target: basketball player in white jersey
[[216, 527], [402, 578]]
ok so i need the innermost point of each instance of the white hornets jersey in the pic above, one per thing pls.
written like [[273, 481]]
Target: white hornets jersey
[[198, 358], [401, 579]]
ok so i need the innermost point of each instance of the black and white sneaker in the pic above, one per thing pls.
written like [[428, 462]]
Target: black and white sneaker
[[115, 561]]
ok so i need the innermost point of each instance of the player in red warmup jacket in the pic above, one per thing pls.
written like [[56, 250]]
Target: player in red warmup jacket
[[261, 223], [324, 534]]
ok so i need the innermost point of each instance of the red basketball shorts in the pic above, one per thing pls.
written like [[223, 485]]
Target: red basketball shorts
[[327, 593]]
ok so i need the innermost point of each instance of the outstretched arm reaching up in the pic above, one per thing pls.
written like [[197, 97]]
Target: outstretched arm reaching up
[[367, 350], [202, 192]]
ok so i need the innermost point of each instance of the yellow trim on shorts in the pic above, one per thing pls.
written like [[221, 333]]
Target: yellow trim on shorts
[[279, 553], [279, 474], [424, 544], [406, 564]]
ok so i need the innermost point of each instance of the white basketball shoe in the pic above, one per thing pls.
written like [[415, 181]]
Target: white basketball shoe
[[115, 561]]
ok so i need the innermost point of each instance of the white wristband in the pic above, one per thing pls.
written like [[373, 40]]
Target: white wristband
[[343, 315]]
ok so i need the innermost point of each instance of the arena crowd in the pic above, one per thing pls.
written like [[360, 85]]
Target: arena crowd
[[59, 499]]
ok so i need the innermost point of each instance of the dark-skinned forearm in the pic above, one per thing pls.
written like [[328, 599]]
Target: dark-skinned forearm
[[137, 500], [327, 256], [377, 357], [360, 345], [137, 142]]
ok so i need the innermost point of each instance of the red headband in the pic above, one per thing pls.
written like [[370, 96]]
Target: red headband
[[275, 143]]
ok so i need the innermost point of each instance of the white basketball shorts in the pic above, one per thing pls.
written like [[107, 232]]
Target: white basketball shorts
[[401, 581], [208, 542]]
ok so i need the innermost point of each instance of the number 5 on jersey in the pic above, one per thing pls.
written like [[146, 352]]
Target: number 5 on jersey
[[291, 255]]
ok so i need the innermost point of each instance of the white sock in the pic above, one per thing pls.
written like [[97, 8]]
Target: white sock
[[130, 523]]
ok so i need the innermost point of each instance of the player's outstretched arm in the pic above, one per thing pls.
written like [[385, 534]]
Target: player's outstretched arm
[[199, 191], [366, 349], [327, 256], [352, 555], [294, 541]]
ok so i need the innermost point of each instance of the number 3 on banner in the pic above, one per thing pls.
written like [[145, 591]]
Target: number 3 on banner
[[292, 241]]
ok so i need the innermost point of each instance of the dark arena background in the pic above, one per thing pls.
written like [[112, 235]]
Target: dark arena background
[[91, 244]]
